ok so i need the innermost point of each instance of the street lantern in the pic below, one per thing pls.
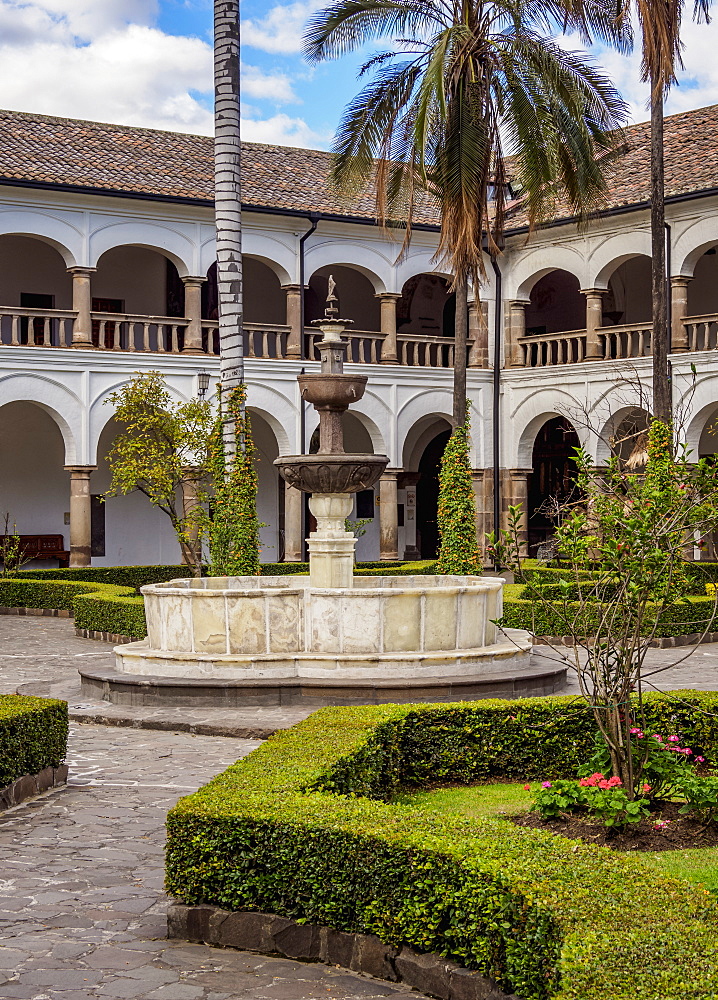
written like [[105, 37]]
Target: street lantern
[[202, 383]]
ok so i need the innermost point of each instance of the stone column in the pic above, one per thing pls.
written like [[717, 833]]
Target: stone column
[[388, 516], [293, 500], [388, 300], [408, 481], [515, 492], [482, 481], [594, 321], [479, 334], [82, 305], [516, 332], [294, 320], [679, 311], [80, 514], [193, 312]]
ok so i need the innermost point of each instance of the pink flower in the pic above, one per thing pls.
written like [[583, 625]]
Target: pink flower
[[657, 737], [700, 760], [674, 739], [604, 785], [546, 784], [613, 782], [527, 788], [646, 789]]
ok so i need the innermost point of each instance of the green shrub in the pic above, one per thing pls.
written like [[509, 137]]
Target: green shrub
[[33, 735], [98, 607], [299, 829], [121, 576]]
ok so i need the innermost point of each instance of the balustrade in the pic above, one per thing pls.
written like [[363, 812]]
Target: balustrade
[[36, 327], [631, 340], [125, 332], [702, 332], [545, 349], [260, 340]]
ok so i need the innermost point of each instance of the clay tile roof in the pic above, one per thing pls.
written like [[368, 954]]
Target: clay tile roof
[[691, 153], [115, 158], [53, 151]]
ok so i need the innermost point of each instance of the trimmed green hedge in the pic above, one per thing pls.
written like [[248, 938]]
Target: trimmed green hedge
[[299, 828], [688, 616], [33, 735], [98, 607]]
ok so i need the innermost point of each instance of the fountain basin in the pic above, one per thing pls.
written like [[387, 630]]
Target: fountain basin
[[337, 391], [337, 473]]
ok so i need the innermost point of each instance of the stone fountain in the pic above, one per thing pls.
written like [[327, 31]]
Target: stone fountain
[[330, 637]]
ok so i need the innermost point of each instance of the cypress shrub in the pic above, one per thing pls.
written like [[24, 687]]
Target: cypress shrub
[[456, 514]]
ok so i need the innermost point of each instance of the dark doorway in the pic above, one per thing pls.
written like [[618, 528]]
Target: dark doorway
[[554, 475], [427, 496]]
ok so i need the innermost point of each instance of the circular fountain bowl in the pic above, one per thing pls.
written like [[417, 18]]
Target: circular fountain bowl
[[331, 473], [337, 391], [276, 640]]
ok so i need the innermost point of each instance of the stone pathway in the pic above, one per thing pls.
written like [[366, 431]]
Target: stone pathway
[[82, 912]]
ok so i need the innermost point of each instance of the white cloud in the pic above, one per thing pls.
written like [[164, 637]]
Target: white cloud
[[103, 60], [281, 130], [281, 29]]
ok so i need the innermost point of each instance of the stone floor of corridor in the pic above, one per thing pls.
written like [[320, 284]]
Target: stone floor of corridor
[[82, 911]]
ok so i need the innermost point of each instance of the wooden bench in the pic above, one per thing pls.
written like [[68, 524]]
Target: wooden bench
[[42, 547]]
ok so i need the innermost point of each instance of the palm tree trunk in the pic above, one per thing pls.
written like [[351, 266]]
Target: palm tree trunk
[[228, 202], [461, 333], [661, 333]]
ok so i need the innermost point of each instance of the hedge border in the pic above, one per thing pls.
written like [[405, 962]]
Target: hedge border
[[33, 736], [303, 829]]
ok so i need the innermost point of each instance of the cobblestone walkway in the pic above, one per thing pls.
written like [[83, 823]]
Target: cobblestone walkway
[[82, 912]]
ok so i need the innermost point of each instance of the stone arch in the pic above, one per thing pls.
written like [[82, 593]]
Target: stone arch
[[612, 426], [373, 265], [528, 270], [66, 239], [616, 251], [62, 405], [162, 239], [692, 244], [355, 290], [530, 415]]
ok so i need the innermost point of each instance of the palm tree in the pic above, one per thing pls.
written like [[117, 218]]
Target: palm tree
[[228, 204], [469, 83], [660, 25]]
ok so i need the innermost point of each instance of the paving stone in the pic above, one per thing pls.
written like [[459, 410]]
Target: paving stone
[[84, 864]]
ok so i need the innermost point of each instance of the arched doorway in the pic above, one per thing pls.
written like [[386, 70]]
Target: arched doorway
[[553, 477], [35, 487], [356, 293], [427, 495], [426, 307], [34, 276], [556, 305]]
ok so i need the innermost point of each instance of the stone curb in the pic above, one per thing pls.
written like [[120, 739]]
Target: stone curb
[[30, 785], [118, 640], [37, 612], [667, 642], [171, 726], [269, 934]]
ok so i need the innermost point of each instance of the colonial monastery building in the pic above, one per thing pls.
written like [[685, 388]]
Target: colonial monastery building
[[107, 269]]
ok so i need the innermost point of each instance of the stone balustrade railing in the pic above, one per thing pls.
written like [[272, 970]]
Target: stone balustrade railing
[[544, 349], [127, 332], [629, 340], [702, 332], [261, 340], [36, 327]]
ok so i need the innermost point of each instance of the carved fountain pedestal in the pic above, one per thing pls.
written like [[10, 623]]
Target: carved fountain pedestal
[[331, 637]]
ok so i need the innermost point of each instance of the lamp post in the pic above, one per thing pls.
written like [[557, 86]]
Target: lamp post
[[202, 383]]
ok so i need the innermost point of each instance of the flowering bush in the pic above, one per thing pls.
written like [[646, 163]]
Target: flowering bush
[[596, 795], [662, 763]]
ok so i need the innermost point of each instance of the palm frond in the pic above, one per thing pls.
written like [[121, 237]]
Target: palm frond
[[348, 24]]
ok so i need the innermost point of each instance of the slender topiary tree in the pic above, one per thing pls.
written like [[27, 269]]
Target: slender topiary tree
[[234, 531], [456, 514]]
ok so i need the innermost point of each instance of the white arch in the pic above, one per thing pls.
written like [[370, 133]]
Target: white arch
[[102, 412], [148, 235], [529, 269], [55, 399], [276, 255], [420, 435], [616, 251], [702, 401], [529, 417], [64, 238], [692, 244], [608, 430], [368, 261]]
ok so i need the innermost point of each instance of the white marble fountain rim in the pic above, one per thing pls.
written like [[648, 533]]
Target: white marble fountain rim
[[363, 586]]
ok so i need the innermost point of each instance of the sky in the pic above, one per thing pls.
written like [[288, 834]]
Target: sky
[[149, 63]]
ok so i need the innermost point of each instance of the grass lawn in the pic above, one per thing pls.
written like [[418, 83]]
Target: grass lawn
[[698, 865]]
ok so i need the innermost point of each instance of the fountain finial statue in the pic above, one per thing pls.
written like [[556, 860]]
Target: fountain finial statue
[[332, 307]]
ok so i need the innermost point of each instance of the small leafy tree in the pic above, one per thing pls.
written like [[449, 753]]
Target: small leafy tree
[[234, 526], [456, 513], [622, 549], [12, 554], [163, 450]]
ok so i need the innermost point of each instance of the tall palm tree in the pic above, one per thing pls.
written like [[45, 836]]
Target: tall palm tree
[[228, 203], [660, 26], [467, 84]]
